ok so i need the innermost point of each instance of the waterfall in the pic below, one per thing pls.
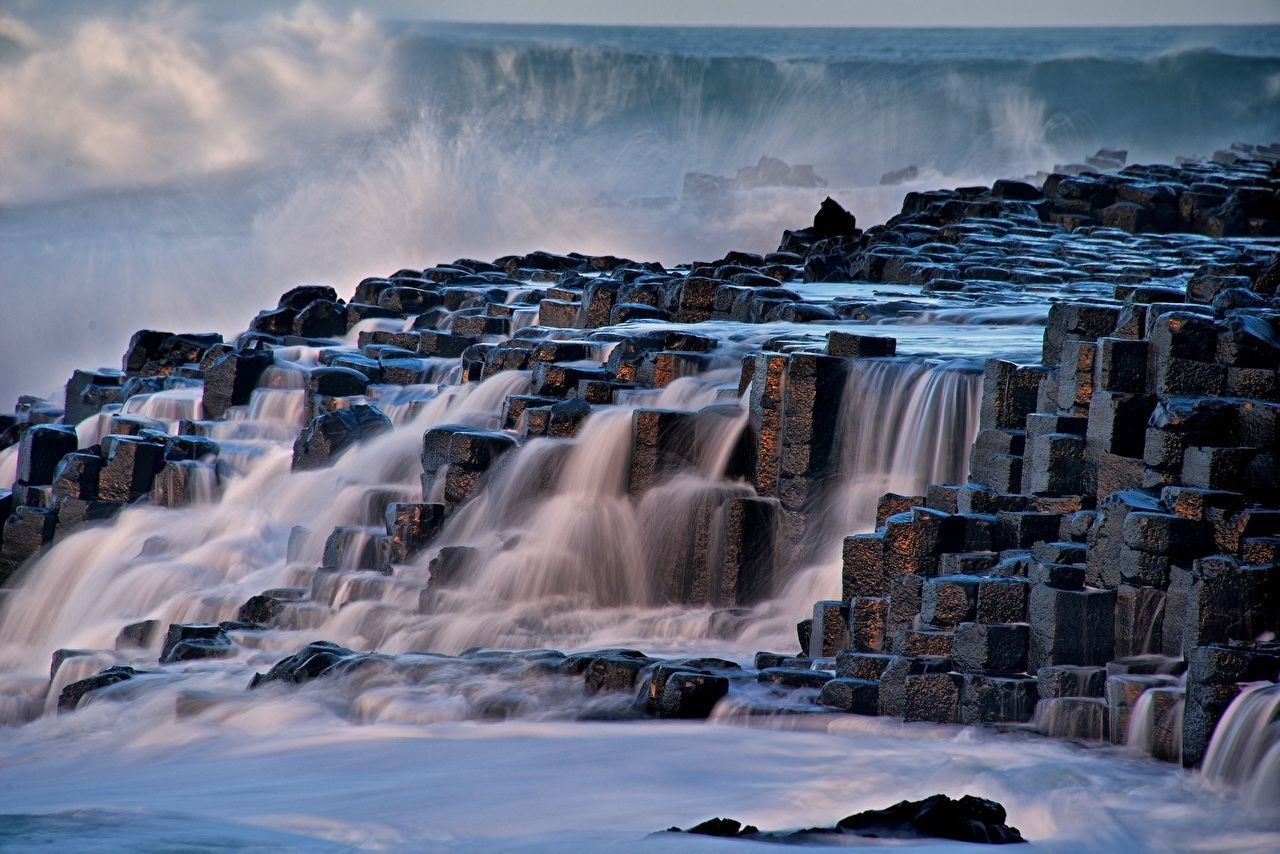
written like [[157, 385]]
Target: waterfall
[[903, 424], [555, 547], [1244, 752], [205, 560], [1155, 724]]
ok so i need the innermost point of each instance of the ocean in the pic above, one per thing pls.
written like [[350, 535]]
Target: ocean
[[198, 165]]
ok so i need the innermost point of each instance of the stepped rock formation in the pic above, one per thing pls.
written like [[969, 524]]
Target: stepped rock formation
[[1088, 544]]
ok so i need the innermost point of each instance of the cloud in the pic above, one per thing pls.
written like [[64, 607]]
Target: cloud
[[126, 101]]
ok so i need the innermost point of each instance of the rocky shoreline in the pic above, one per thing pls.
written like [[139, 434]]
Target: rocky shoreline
[[1115, 547]]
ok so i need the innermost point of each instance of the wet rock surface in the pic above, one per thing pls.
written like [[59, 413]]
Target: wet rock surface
[[1120, 499], [71, 696]]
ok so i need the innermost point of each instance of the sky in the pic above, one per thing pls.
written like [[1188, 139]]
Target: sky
[[936, 13], [830, 13]]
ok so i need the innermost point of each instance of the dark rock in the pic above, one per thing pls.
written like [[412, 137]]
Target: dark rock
[[76, 476], [923, 642], [336, 382], [352, 547], [27, 532], [1002, 600], [662, 444], [137, 635], [1060, 576], [830, 633], [948, 601], [1070, 680], [718, 827], [1008, 393], [997, 699], [131, 466], [231, 379], [321, 318], [411, 527], [303, 295], [1229, 601], [933, 697], [791, 677], [863, 571], [615, 671], [832, 220], [849, 345], [862, 665], [153, 353], [316, 659], [650, 697], [692, 695], [1070, 626], [261, 610], [184, 642], [276, 322], [331, 433], [968, 819], [40, 450], [868, 618], [981, 648], [71, 695], [88, 391], [855, 696], [174, 483]]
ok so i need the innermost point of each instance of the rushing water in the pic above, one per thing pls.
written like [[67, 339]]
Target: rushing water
[[1246, 750], [414, 752]]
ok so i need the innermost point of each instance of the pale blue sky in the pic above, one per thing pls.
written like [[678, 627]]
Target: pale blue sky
[[847, 12], [831, 13]]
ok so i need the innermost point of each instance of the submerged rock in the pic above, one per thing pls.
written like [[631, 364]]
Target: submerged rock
[[185, 642], [330, 434], [71, 695], [316, 659]]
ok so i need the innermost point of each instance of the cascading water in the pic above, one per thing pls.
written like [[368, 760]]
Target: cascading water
[[1244, 754], [558, 551], [212, 558], [559, 546], [903, 424]]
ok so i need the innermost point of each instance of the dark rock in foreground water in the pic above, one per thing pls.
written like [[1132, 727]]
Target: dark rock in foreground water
[[967, 819]]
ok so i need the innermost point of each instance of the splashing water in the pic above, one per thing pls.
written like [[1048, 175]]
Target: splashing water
[[203, 161]]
